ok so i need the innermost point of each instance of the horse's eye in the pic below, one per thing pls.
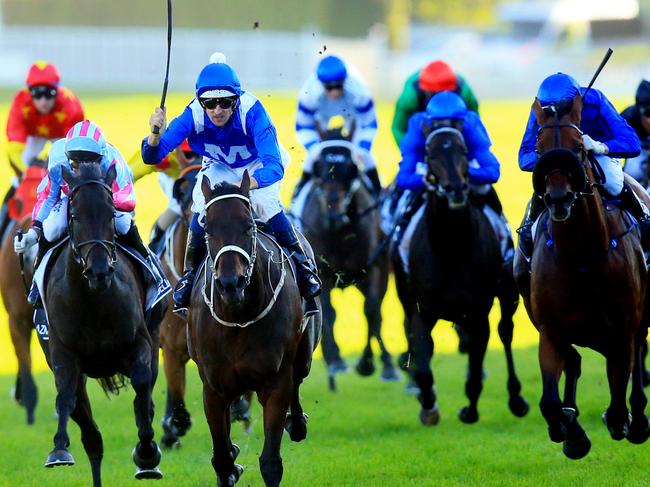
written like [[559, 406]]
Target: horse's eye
[[249, 230]]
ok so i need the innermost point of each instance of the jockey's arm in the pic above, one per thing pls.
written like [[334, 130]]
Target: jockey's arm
[[268, 148], [16, 135], [484, 167], [619, 137], [156, 146], [527, 155], [412, 149], [123, 190], [306, 131], [467, 94], [366, 124], [406, 106]]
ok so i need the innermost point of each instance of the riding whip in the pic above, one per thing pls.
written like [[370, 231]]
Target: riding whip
[[156, 130], [608, 54]]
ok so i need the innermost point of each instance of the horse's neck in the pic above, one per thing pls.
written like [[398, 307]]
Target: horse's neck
[[585, 236], [449, 229]]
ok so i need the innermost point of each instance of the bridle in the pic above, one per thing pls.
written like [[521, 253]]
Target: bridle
[[433, 185], [107, 245]]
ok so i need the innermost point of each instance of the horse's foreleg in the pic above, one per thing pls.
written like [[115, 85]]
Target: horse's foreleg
[[479, 334], [572, 372], [26, 393], [296, 423], [91, 438], [66, 376], [177, 419], [146, 454], [639, 427], [423, 351], [224, 453], [562, 422], [619, 368], [331, 352], [275, 401]]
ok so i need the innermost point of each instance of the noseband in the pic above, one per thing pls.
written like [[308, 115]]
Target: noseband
[[107, 245], [435, 186]]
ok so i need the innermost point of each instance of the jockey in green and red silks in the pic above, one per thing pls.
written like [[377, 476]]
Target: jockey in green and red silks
[[605, 134], [233, 133]]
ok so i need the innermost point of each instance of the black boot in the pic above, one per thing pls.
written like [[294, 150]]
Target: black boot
[[308, 280], [133, 240], [639, 210], [373, 176], [156, 242], [535, 208], [306, 176], [194, 254], [34, 296]]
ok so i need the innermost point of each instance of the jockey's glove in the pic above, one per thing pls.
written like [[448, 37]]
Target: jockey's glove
[[24, 241], [593, 145]]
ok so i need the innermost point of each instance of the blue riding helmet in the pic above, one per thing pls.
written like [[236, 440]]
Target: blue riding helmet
[[331, 68], [446, 104], [218, 77], [557, 87], [83, 149]]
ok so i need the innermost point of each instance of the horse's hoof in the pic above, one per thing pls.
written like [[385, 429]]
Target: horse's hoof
[[577, 449], [468, 415], [404, 361], [58, 458], [337, 367], [430, 417], [238, 470], [365, 366], [556, 433], [617, 432], [411, 388], [146, 463], [297, 430], [518, 406], [639, 431], [169, 441], [389, 374], [148, 473]]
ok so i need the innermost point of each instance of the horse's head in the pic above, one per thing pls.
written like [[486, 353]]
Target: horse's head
[[91, 222], [559, 174], [231, 236], [183, 187], [447, 165], [336, 176]]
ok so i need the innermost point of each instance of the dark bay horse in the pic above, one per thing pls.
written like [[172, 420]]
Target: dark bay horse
[[340, 221], [455, 270], [13, 285], [586, 285], [95, 303], [246, 331]]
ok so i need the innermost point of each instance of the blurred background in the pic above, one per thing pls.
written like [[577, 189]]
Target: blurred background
[[503, 48]]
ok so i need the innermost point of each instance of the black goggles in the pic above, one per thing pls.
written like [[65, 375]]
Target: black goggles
[[335, 85], [645, 111], [42, 92], [212, 103]]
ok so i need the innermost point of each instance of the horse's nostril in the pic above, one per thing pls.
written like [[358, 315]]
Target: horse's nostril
[[220, 286], [241, 282]]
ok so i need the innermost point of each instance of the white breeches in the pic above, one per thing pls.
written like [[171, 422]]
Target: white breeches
[[613, 174]]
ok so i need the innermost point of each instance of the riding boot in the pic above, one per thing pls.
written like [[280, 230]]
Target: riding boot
[[34, 296], [373, 177], [4, 210], [133, 240], [639, 210], [194, 253], [308, 280], [535, 208], [156, 240], [306, 176]]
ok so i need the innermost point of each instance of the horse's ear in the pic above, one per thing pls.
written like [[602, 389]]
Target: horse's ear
[[576, 110], [537, 110], [245, 185], [68, 176], [111, 175], [206, 188]]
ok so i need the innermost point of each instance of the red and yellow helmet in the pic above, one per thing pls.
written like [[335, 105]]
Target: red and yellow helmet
[[437, 76], [43, 73]]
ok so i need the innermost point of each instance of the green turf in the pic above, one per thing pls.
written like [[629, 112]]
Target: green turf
[[366, 434]]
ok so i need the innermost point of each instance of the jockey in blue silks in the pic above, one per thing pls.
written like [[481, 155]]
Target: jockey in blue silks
[[231, 129], [605, 134], [448, 109]]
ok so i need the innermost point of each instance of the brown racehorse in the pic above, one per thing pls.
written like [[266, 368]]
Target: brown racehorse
[[246, 331], [586, 285], [13, 286], [173, 336]]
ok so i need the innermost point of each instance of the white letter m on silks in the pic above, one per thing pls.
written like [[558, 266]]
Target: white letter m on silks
[[235, 150]]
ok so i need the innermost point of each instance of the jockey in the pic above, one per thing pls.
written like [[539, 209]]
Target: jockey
[[638, 116], [606, 134], [42, 111], [443, 110], [84, 142], [336, 90], [231, 129], [421, 86]]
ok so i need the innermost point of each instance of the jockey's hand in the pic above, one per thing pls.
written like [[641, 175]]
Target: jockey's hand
[[157, 120], [593, 145], [24, 241]]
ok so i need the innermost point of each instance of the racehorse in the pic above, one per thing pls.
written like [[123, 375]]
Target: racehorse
[[455, 270], [95, 304], [173, 336], [586, 285], [13, 284], [340, 221], [246, 331]]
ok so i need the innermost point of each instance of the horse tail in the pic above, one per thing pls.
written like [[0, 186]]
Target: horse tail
[[113, 384]]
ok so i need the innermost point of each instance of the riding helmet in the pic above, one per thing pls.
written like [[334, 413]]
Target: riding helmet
[[437, 76], [43, 73], [557, 87], [217, 80], [85, 142], [331, 68], [643, 94], [446, 104]]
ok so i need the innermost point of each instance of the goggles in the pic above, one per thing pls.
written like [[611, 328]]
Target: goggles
[[42, 92], [334, 85], [223, 103]]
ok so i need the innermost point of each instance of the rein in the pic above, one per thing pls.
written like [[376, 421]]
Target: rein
[[250, 258]]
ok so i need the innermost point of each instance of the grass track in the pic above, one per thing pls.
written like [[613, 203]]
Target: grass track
[[367, 434]]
